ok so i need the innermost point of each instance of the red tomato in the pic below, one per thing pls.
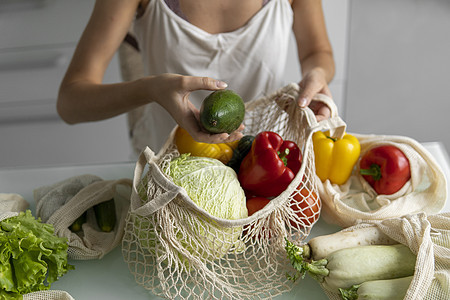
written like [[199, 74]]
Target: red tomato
[[306, 205], [256, 203], [253, 205]]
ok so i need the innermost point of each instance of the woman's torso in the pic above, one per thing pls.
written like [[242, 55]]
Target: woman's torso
[[249, 53]]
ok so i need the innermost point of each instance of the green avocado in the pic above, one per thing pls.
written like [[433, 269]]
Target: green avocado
[[222, 111]]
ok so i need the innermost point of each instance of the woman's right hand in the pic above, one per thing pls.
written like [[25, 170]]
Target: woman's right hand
[[171, 91]]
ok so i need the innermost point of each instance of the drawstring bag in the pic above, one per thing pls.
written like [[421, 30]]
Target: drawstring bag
[[356, 201], [60, 204], [176, 249], [428, 237], [11, 202]]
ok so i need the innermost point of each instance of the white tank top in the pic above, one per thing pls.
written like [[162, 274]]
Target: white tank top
[[250, 60]]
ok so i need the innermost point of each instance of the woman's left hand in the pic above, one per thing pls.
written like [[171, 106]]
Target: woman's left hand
[[314, 82]]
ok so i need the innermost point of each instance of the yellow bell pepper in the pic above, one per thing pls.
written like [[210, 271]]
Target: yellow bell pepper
[[335, 158], [186, 144]]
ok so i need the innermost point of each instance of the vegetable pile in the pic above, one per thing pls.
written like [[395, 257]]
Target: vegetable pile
[[361, 264], [265, 164], [386, 168], [31, 256]]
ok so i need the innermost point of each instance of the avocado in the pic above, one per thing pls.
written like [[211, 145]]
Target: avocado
[[222, 111]]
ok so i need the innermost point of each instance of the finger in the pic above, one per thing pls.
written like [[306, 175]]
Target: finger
[[193, 83], [306, 94], [323, 113]]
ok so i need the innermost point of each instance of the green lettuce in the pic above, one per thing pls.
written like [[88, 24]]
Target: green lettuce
[[31, 255]]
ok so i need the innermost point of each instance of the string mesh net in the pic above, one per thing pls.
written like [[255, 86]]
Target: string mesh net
[[177, 250]]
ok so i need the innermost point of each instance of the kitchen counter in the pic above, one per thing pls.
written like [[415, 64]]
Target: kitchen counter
[[109, 278]]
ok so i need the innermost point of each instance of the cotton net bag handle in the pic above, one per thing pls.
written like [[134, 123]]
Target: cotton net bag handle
[[168, 188], [334, 124]]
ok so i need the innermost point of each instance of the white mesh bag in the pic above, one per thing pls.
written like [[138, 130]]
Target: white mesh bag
[[177, 250]]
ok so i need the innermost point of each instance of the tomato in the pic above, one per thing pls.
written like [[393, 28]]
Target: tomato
[[253, 205], [256, 203], [306, 205]]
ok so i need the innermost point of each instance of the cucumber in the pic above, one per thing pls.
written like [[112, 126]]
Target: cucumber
[[388, 289], [222, 111], [76, 225], [242, 149], [105, 214]]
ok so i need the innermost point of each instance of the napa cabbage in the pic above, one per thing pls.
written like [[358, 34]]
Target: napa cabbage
[[212, 185]]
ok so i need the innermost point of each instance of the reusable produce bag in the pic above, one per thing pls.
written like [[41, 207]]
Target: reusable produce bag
[[177, 250], [62, 203], [428, 237], [11, 202], [356, 201], [39, 295]]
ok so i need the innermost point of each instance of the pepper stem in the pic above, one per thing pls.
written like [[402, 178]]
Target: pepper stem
[[283, 156], [331, 138], [374, 171]]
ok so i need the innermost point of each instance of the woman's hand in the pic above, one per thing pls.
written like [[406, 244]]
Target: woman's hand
[[315, 54], [172, 91], [312, 83]]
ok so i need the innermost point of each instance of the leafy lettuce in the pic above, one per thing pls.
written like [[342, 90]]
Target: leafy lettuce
[[31, 256]]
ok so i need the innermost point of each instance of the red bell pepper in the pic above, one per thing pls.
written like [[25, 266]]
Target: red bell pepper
[[270, 165], [385, 168]]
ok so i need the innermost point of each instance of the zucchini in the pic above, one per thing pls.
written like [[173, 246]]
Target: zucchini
[[105, 214], [76, 225], [242, 149], [351, 266], [388, 289]]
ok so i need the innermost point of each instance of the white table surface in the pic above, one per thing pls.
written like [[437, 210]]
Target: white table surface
[[109, 277]]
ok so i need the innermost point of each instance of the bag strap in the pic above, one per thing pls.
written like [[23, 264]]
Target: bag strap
[[334, 124], [170, 190]]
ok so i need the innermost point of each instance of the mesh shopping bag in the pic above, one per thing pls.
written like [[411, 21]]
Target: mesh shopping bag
[[177, 250]]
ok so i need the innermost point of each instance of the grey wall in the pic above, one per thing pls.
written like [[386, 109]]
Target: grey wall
[[398, 68]]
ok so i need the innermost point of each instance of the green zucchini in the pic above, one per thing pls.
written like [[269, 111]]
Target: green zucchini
[[388, 289], [76, 225], [242, 149], [105, 214]]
